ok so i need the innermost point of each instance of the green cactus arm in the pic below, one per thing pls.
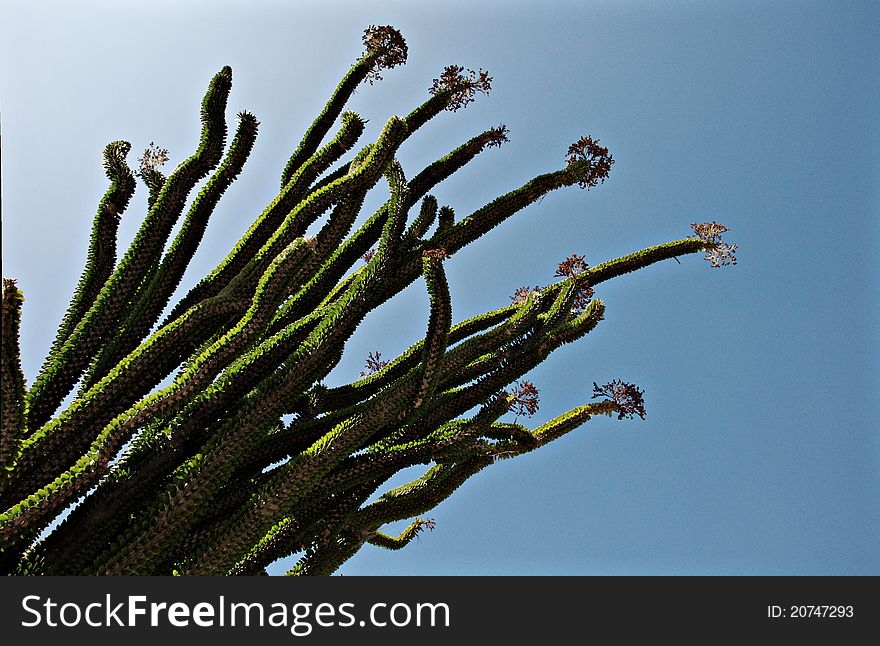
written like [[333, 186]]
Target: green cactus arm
[[639, 259], [170, 398], [238, 379], [325, 283], [359, 475], [337, 226], [366, 175], [341, 401], [426, 217], [444, 167], [400, 541], [567, 422], [391, 241], [102, 244], [14, 401], [344, 398], [327, 525], [113, 302], [322, 557], [386, 458], [503, 314], [56, 445], [91, 527], [493, 214], [358, 469], [326, 559], [466, 362], [334, 543], [155, 182], [443, 479], [439, 323], [274, 214], [166, 279], [294, 533], [247, 320], [455, 160], [322, 124], [633, 262], [224, 451], [354, 248], [445, 220], [449, 442], [510, 365], [419, 496], [563, 304], [293, 480], [452, 91], [385, 48], [174, 393]]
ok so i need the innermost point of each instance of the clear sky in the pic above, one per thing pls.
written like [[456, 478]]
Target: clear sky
[[760, 452]]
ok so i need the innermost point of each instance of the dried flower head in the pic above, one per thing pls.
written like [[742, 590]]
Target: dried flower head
[[462, 87], [718, 252], [592, 161], [427, 523], [391, 47], [367, 257], [374, 364], [497, 136], [628, 399], [152, 158], [522, 293], [524, 399], [571, 267]]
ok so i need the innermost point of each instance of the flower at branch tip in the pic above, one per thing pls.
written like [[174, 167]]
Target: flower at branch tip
[[524, 399], [374, 364], [522, 293], [391, 47], [152, 158], [462, 87], [571, 267], [592, 161], [628, 399], [718, 252], [498, 136]]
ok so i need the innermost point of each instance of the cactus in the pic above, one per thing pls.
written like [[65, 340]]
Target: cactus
[[206, 442]]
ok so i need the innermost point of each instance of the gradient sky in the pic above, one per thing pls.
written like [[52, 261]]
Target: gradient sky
[[760, 452]]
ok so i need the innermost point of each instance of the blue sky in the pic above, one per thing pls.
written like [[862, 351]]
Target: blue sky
[[760, 450]]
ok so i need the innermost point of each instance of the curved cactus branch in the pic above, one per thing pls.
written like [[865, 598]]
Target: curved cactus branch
[[14, 401], [102, 246], [114, 300]]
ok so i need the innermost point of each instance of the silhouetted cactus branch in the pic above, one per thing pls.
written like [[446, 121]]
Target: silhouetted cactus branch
[[245, 456]]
